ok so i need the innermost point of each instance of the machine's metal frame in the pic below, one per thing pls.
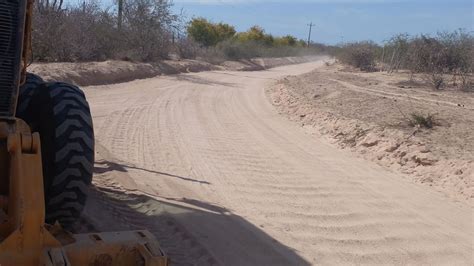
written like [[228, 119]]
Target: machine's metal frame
[[24, 237]]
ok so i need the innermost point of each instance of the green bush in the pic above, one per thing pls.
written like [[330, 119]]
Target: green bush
[[287, 40], [256, 35], [209, 34], [222, 39]]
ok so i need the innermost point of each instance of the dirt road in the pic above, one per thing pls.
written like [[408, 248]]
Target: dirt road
[[205, 162]]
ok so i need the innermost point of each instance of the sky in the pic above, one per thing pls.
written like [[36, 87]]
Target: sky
[[336, 20]]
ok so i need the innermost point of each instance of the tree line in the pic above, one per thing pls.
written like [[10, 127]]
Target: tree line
[[142, 30], [210, 34], [90, 32], [221, 40]]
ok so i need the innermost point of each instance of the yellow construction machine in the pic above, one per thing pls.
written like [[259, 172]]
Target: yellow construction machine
[[46, 164]]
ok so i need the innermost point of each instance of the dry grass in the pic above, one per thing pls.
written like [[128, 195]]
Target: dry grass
[[422, 121]]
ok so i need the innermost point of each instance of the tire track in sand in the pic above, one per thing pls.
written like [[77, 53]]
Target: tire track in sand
[[277, 196]]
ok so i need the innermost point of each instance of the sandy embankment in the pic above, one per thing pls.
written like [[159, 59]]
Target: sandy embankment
[[110, 72], [368, 113]]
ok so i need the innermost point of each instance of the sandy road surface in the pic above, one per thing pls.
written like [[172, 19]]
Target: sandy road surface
[[205, 162]]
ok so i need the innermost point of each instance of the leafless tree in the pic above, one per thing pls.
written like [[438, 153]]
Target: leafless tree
[[90, 32]]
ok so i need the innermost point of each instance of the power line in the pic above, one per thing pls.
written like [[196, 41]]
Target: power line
[[309, 35]]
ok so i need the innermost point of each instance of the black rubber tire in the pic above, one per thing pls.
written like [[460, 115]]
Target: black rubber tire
[[61, 114], [27, 92]]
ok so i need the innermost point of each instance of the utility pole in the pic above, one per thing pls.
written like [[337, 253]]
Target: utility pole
[[309, 36], [120, 14]]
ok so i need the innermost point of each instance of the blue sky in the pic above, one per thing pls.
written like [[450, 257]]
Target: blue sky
[[337, 20]]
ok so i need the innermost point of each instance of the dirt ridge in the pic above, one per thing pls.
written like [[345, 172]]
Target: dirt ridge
[[337, 105], [112, 72]]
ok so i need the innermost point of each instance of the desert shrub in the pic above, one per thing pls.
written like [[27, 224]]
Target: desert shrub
[[395, 53], [428, 56], [466, 84], [234, 50], [447, 53], [186, 48], [211, 55], [450, 51], [435, 79], [459, 57], [361, 55], [146, 29], [458, 50], [88, 32], [420, 120]]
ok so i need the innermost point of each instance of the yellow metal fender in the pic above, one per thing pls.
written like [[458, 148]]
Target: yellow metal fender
[[26, 240]]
